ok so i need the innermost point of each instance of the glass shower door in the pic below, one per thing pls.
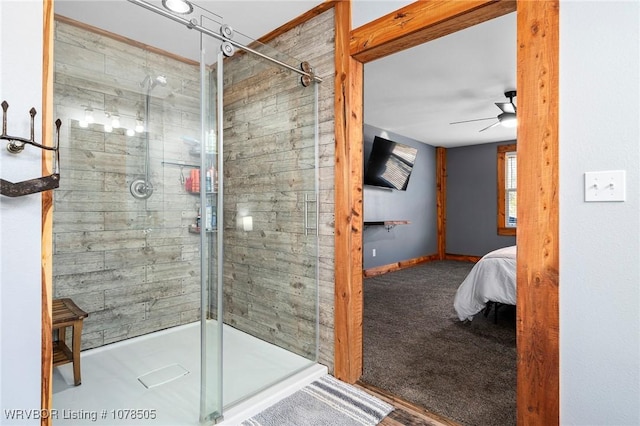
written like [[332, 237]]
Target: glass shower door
[[259, 222], [270, 218], [211, 393]]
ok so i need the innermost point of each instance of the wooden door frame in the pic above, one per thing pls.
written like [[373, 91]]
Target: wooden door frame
[[537, 329], [46, 244]]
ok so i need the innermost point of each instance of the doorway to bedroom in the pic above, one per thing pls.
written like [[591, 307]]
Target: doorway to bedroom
[[414, 345]]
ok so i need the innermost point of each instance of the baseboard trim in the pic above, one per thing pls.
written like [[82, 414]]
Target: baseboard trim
[[392, 267], [462, 257], [380, 270]]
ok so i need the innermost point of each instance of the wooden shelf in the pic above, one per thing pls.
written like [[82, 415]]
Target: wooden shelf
[[61, 353], [198, 192], [388, 224]]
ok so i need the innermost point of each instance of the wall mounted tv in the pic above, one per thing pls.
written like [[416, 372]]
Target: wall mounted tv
[[390, 164]]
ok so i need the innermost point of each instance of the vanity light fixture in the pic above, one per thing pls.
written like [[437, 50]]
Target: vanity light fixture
[[182, 7], [247, 223], [88, 115], [115, 121]]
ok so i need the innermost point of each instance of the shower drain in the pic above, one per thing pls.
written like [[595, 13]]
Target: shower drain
[[162, 375]]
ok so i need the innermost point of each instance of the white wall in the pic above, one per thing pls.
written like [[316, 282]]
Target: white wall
[[599, 242], [20, 283]]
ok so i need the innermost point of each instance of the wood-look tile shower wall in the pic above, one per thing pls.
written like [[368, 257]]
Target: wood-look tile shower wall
[[131, 263], [270, 272]]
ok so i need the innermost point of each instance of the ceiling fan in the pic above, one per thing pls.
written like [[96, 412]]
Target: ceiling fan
[[508, 116]]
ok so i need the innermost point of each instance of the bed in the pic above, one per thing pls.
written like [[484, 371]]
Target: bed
[[491, 281]]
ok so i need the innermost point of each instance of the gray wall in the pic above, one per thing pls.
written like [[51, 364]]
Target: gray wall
[[472, 201], [417, 205]]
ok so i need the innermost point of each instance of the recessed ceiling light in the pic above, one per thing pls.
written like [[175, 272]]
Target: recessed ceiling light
[[178, 6]]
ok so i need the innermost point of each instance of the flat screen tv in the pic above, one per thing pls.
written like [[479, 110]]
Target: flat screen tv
[[390, 164]]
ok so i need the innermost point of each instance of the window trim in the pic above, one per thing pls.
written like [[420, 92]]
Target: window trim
[[501, 220]]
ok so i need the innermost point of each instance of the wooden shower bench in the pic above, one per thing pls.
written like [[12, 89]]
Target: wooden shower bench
[[65, 314]]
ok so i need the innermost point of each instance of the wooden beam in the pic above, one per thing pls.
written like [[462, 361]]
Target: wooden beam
[[421, 22], [538, 253], [46, 372], [348, 203], [441, 200]]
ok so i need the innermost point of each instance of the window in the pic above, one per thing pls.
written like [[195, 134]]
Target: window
[[507, 189]]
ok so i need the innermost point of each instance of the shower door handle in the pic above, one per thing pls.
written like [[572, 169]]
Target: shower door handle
[[310, 198]]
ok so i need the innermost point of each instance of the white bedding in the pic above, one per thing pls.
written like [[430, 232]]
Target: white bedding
[[493, 279]]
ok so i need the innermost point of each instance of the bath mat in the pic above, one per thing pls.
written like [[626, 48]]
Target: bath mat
[[327, 401], [162, 375]]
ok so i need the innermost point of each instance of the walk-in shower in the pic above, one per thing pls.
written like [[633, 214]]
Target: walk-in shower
[[142, 188], [220, 301]]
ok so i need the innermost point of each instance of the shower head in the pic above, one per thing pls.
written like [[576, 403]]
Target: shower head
[[161, 80], [151, 82]]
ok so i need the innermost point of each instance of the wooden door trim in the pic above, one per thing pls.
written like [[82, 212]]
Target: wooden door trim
[[348, 203], [537, 322], [420, 22], [441, 200], [46, 244], [538, 267]]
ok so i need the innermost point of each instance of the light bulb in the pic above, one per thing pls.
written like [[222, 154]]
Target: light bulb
[[83, 124], [115, 121], [139, 126], [88, 115], [130, 132], [108, 128], [508, 120], [509, 124]]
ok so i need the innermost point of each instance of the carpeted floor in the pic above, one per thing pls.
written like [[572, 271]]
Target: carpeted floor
[[416, 348]]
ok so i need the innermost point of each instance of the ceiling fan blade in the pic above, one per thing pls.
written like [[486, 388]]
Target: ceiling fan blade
[[469, 121], [493, 125], [506, 107]]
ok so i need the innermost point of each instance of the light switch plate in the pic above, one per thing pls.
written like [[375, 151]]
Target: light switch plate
[[605, 186]]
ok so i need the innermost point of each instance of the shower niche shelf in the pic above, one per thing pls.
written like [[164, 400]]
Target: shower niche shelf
[[192, 183], [198, 192], [196, 229]]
